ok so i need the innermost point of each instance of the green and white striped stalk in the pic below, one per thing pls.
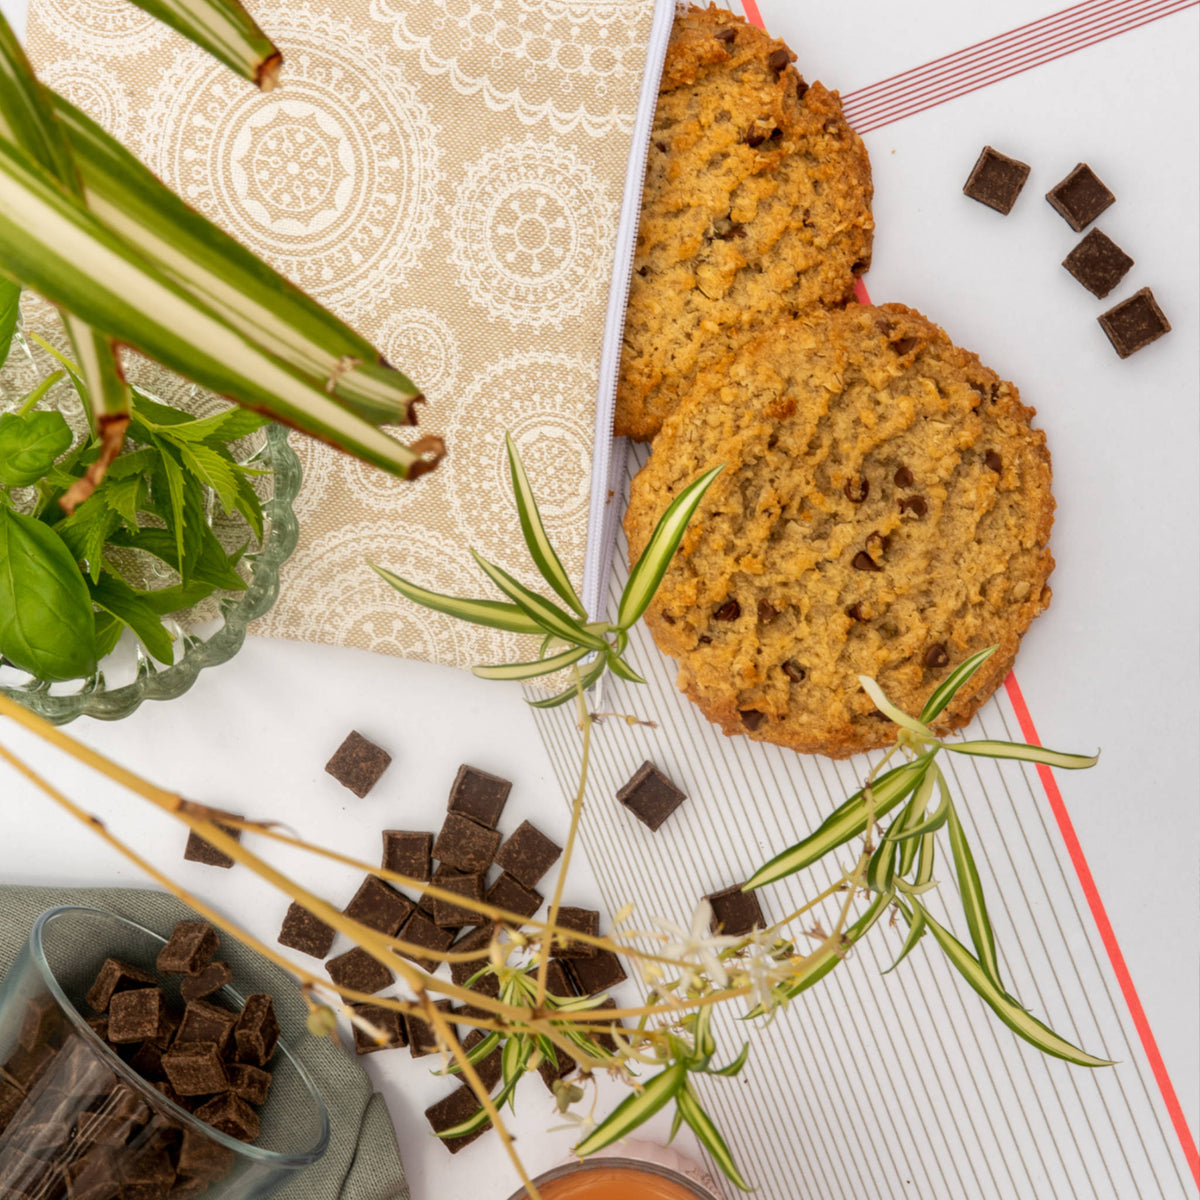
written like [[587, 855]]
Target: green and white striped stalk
[[635, 1109]]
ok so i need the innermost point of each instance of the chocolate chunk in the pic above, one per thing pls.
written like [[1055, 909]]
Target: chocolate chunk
[[914, 504], [94, 1175], [605, 1040], [198, 850], [232, 1115], [513, 896], [996, 180], [862, 561], [1134, 323], [26, 1067], [422, 1037], [99, 1026], [461, 1105], [1098, 263], [794, 671], [555, 1066], [903, 478], [936, 656], [408, 853], [11, 1099], [476, 941], [388, 1021], [752, 718], [777, 60], [358, 763], [560, 978], [189, 949], [420, 930], [755, 139], [379, 906], [465, 845], [116, 976], [993, 461], [487, 1068], [735, 912], [904, 345], [252, 1083], [136, 1015], [598, 974], [729, 611], [478, 795], [257, 1030], [449, 915], [726, 34], [766, 612], [195, 1069], [146, 1060], [147, 1173], [212, 979], [204, 1021], [650, 795], [107, 1129], [858, 611], [202, 1158], [306, 933], [580, 920], [528, 854], [42, 1021], [857, 489], [1080, 198]]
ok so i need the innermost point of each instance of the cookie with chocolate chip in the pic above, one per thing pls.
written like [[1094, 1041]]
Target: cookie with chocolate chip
[[884, 510], [757, 204]]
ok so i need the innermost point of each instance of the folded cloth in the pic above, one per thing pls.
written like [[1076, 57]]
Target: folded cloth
[[362, 1161]]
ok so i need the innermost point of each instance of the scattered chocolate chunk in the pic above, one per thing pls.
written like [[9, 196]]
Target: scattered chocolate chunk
[[513, 896], [195, 1069], [560, 979], [605, 1040], [794, 671], [752, 718], [26, 1067], [379, 906], [422, 1036], [726, 34], [168, 1028], [650, 795], [465, 844], [487, 1068], [358, 763], [555, 1066], [461, 1105], [306, 933], [729, 611], [777, 60], [476, 941], [904, 345], [257, 1030], [903, 478], [189, 949], [252, 1083], [936, 656], [993, 461], [204, 1021], [1098, 263], [996, 180], [857, 489], [916, 505], [212, 979], [766, 612], [116, 976], [420, 930], [449, 915], [146, 1060], [94, 1175], [106, 1128], [99, 1026], [42, 1021], [858, 611], [1134, 323], [136, 1016], [528, 854], [198, 850], [11, 1099], [388, 1021], [598, 974], [755, 139], [1080, 198], [408, 853], [232, 1115], [579, 920], [735, 912], [862, 561], [478, 795], [202, 1158], [148, 1172], [704, 640]]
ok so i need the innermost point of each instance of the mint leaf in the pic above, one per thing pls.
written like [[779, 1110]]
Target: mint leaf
[[120, 600], [249, 505], [87, 529], [215, 469]]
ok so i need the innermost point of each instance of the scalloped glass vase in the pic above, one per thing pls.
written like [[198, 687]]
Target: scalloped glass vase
[[211, 633]]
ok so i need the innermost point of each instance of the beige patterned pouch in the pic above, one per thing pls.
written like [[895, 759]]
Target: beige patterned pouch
[[459, 179]]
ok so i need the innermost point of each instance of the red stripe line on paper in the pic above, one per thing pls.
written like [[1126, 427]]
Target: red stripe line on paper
[[750, 9]]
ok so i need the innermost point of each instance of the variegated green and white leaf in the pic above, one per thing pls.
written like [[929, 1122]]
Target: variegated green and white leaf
[[495, 614], [480, 1118], [925, 859], [974, 905], [916, 931], [1018, 750], [513, 1058], [622, 670], [476, 1054], [881, 867], [532, 670], [634, 1110], [735, 1067], [587, 678], [914, 814], [889, 710], [946, 690], [705, 1129]]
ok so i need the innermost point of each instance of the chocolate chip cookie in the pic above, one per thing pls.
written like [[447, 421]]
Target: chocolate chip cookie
[[757, 204], [884, 510]]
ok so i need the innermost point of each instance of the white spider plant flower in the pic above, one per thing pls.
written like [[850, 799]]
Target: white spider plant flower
[[699, 946]]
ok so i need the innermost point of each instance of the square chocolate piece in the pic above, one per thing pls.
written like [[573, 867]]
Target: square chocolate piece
[[598, 974], [650, 795], [212, 979], [198, 850], [528, 854], [306, 933], [136, 1016], [358, 763], [205, 1022], [1134, 323], [473, 941], [478, 795], [735, 912], [408, 853], [582, 920], [189, 949], [514, 897], [453, 1110], [487, 1068], [379, 906], [116, 976], [232, 1115], [605, 1040], [449, 915], [252, 1083], [1080, 198], [419, 930], [465, 844], [257, 1030], [388, 1021], [359, 972], [42, 1022], [195, 1069], [202, 1158], [996, 180], [422, 1037], [1098, 263], [560, 979]]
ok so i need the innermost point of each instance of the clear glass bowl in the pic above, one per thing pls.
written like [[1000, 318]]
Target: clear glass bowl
[[205, 637]]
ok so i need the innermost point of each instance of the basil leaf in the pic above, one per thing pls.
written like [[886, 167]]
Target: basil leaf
[[10, 310], [30, 444], [46, 623], [121, 601]]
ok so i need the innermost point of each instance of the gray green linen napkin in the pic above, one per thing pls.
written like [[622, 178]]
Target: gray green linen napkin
[[363, 1161]]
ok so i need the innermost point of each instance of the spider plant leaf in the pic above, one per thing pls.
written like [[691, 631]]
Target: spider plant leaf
[[664, 541], [1009, 1011], [709, 1135], [706, 1044], [970, 889], [946, 690], [634, 1110], [513, 1058], [676, 1122], [622, 669], [916, 931], [735, 1067], [477, 1053], [881, 867], [889, 710], [1018, 750], [10, 312], [846, 822], [546, 613], [587, 678], [480, 1118], [925, 860], [914, 813], [495, 614], [540, 550], [534, 669]]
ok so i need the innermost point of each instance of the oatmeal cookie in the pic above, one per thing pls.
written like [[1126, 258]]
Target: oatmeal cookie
[[884, 510], [757, 204]]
